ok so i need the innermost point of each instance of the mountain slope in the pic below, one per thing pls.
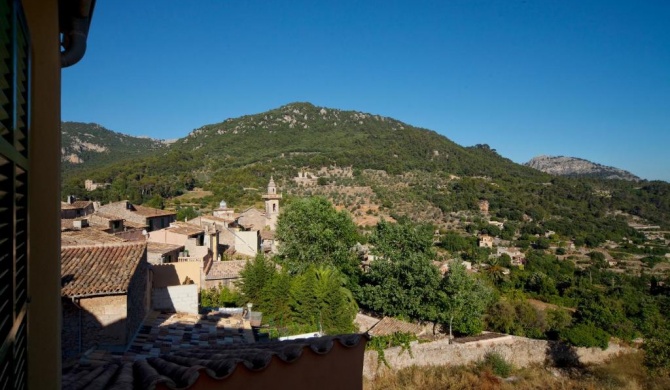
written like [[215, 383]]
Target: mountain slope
[[573, 166], [91, 145], [391, 169], [318, 136]]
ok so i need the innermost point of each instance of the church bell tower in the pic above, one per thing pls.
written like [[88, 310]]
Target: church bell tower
[[271, 204]]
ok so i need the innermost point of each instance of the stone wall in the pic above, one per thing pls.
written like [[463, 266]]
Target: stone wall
[[138, 298], [180, 299], [102, 321], [519, 351]]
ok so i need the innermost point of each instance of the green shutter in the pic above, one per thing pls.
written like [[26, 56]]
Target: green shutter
[[14, 137]]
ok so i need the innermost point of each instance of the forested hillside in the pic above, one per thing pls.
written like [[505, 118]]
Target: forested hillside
[[405, 171], [89, 145]]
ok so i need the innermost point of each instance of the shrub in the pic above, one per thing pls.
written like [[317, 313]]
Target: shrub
[[497, 363], [586, 335]]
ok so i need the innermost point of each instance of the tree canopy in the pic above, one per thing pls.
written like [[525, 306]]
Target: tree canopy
[[311, 231]]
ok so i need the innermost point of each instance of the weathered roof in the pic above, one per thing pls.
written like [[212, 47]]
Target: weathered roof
[[209, 218], [151, 212], [159, 247], [185, 229], [182, 369], [109, 217], [99, 270], [79, 204], [388, 326], [252, 218], [226, 269], [267, 234], [365, 322], [86, 236]]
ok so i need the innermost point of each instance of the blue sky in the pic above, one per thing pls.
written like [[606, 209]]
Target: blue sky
[[589, 79]]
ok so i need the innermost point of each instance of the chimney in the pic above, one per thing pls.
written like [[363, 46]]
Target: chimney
[[80, 223]]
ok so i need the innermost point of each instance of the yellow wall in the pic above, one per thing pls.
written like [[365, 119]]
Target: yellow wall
[[173, 274]]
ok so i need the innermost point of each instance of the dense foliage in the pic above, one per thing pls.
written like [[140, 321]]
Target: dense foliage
[[314, 299], [311, 231]]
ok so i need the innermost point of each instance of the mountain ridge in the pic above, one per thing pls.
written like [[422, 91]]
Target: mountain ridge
[[88, 145], [392, 168], [578, 167]]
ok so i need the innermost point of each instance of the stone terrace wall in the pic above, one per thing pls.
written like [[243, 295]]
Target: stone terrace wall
[[519, 351], [180, 299]]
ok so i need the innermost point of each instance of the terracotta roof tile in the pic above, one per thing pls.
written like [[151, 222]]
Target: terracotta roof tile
[[151, 212], [185, 229], [159, 247], [108, 217], [226, 269], [80, 204], [182, 369], [99, 270], [86, 236], [267, 234]]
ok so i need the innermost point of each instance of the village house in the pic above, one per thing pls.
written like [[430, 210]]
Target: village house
[[224, 273], [160, 253], [199, 244], [90, 185], [224, 213], [484, 206], [485, 241], [105, 295], [76, 208], [517, 257], [79, 232], [247, 231], [150, 218], [111, 223]]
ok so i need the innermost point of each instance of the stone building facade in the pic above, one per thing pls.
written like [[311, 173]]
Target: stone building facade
[[105, 296]]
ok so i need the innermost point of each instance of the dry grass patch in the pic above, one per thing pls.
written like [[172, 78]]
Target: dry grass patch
[[624, 372]]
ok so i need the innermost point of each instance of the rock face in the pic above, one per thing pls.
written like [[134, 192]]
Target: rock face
[[91, 144], [573, 166]]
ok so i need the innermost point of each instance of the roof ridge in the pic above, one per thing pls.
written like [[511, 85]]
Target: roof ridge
[[106, 244]]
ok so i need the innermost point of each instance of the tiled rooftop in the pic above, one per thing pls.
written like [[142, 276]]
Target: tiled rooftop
[[181, 369], [85, 236], [151, 212], [226, 269], [80, 204], [170, 332], [108, 217], [162, 248], [99, 269], [185, 229]]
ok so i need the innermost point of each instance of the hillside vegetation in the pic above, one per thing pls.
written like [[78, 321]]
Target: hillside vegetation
[[89, 145], [393, 168]]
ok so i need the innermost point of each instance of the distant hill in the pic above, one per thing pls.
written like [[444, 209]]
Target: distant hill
[[317, 136], [91, 145], [374, 166], [577, 167]]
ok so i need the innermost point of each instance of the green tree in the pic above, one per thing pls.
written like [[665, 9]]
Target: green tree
[[657, 352], [186, 213], [464, 301], [402, 281], [311, 231], [256, 274], [403, 287]]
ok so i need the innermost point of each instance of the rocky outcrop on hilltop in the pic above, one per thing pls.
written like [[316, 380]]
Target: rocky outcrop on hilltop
[[573, 166]]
